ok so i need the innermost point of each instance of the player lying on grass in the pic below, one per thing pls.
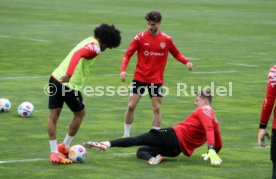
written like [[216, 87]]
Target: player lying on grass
[[67, 81], [200, 126]]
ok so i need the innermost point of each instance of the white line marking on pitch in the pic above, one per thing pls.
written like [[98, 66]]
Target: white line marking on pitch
[[39, 40], [124, 154], [31, 39], [192, 58], [34, 77], [22, 161], [258, 147], [122, 50], [5, 36], [113, 74], [213, 72], [240, 64], [23, 77]]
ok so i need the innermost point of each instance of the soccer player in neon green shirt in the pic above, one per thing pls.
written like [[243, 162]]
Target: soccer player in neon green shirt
[[66, 82]]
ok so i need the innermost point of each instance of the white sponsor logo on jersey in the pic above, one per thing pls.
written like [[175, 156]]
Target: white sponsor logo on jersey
[[147, 53]]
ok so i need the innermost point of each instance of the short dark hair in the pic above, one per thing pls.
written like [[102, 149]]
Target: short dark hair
[[154, 16], [205, 94], [108, 35]]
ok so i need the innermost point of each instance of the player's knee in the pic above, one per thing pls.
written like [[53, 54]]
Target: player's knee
[[156, 108], [131, 107], [53, 117], [140, 152], [80, 114]]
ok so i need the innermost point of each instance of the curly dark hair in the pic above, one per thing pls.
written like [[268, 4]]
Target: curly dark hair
[[108, 35], [154, 16]]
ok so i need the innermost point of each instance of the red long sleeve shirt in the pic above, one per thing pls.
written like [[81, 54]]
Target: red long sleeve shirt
[[152, 54], [200, 126], [269, 99], [88, 52]]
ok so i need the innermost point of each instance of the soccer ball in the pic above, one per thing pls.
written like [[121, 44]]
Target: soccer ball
[[25, 109], [5, 105], [77, 153]]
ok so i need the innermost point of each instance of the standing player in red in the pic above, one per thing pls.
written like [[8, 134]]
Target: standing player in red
[[267, 107], [200, 126], [67, 81], [152, 48]]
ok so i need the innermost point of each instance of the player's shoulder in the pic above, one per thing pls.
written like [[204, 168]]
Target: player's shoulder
[[94, 47], [273, 69], [207, 110], [163, 34], [272, 76], [140, 35], [166, 38], [272, 72]]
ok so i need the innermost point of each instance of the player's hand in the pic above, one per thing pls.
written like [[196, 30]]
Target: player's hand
[[212, 154], [205, 156], [189, 66], [262, 134], [65, 78], [123, 76]]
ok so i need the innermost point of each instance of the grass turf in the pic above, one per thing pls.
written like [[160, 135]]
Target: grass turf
[[218, 36]]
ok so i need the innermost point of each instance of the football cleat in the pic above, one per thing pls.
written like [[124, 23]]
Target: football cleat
[[59, 158], [96, 145], [155, 160], [62, 149]]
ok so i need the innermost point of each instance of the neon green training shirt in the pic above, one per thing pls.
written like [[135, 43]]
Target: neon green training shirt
[[78, 62]]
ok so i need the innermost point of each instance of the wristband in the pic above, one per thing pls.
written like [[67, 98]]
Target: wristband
[[262, 126], [211, 147]]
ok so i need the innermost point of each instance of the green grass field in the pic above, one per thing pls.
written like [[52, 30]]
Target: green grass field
[[235, 40]]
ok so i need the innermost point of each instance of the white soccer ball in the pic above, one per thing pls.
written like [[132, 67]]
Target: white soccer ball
[[77, 153], [5, 105], [25, 109]]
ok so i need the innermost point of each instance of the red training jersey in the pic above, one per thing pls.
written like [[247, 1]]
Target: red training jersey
[[200, 126], [269, 99], [152, 54]]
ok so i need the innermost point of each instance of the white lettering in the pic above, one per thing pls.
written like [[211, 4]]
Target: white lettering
[[180, 89], [147, 53]]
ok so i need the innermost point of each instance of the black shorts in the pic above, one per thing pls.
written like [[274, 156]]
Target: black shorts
[[154, 89], [58, 94], [167, 138], [273, 145]]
